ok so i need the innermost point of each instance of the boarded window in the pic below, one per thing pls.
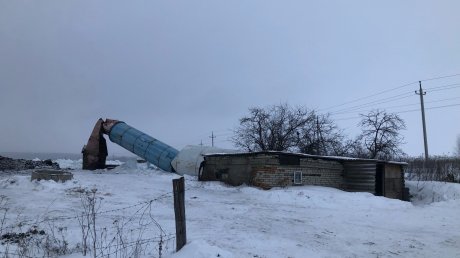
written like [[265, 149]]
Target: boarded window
[[289, 160], [298, 177]]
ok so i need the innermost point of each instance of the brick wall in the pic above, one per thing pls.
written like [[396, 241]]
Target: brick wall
[[265, 171], [314, 172]]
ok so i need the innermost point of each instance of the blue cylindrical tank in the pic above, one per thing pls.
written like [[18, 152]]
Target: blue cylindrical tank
[[143, 145]]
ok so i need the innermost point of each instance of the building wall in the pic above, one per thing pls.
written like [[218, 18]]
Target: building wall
[[314, 172], [230, 169], [360, 176], [265, 171]]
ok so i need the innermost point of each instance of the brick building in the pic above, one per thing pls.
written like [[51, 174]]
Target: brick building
[[280, 169]]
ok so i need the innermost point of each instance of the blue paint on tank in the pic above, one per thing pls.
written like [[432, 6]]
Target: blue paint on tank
[[143, 145]]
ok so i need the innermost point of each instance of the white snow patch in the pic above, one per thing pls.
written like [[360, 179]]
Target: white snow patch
[[114, 162], [77, 164], [201, 249], [427, 192], [69, 163]]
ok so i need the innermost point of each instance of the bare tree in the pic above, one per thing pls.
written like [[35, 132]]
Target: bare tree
[[381, 136], [272, 128], [355, 148], [321, 136]]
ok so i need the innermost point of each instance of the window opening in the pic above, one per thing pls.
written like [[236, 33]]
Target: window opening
[[298, 177]]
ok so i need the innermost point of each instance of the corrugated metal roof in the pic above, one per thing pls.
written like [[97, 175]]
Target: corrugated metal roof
[[336, 158]]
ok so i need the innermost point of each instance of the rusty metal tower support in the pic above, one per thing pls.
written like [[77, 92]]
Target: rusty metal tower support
[[95, 151], [133, 140]]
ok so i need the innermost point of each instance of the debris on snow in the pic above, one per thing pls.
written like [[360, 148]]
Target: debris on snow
[[9, 164]]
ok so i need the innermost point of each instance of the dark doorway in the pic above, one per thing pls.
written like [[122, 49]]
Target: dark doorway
[[380, 180]]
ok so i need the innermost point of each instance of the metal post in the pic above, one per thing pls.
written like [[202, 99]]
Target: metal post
[[421, 93], [212, 137]]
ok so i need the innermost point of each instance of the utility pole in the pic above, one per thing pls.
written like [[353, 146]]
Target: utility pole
[[421, 93], [212, 137]]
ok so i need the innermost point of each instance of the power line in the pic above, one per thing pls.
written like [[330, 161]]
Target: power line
[[440, 77], [393, 98], [369, 96], [429, 108], [389, 90], [365, 109], [403, 111], [390, 107], [440, 100], [373, 103], [442, 86], [452, 86], [438, 107]]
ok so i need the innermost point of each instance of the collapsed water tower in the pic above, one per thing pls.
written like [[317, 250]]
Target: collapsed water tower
[[158, 153]]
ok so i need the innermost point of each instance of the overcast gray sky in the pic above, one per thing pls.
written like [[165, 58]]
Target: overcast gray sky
[[178, 70]]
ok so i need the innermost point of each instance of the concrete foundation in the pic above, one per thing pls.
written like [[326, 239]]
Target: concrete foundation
[[50, 174]]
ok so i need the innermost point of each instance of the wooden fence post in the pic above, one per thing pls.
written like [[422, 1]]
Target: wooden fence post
[[179, 211]]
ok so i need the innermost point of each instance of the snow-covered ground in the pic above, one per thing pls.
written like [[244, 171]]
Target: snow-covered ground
[[224, 221], [430, 192]]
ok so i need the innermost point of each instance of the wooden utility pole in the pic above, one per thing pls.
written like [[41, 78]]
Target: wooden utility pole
[[179, 211], [421, 93]]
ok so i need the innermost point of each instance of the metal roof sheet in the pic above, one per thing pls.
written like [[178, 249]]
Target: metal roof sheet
[[336, 158]]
